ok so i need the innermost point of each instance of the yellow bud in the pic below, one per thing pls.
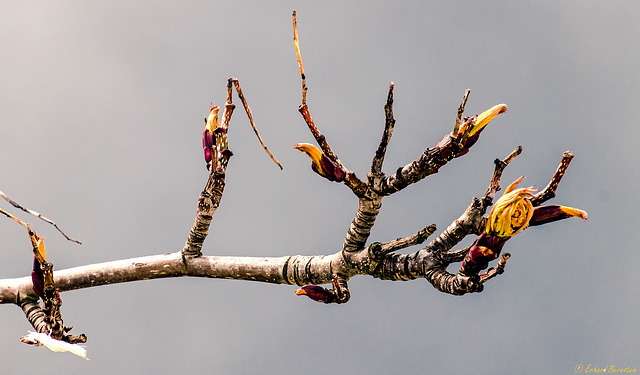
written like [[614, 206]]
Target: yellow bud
[[313, 152], [41, 248], [574, 212], [511, 213], [212, 120], [484, 118]]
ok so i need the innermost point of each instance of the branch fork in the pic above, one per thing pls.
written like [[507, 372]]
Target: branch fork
[[516, 210]]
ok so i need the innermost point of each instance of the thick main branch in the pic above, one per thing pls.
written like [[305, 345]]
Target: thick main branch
[[295, 270]]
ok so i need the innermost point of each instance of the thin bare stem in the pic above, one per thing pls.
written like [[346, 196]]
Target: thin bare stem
[[36, 214], [304, 109], [494, 186], [456, 127], [352, 181], [14, 218], [549, 191], [379, 250], [497, 270], [376, 165], [211, 195], [253, 125], [297, 45]]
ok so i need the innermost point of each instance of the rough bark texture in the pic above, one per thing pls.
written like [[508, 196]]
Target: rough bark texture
[[353, 257]]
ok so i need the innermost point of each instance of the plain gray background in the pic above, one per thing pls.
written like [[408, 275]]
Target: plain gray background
[[101, 108]]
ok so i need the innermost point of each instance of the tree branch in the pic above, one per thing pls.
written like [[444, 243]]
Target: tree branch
[[378, 159], [211, 196], [549, 191]]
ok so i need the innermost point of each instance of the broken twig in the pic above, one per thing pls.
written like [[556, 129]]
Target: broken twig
[[34, 213]]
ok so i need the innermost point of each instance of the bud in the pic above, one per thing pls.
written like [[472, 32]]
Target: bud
[[317, 293], [483, 119], [321, 164], [512, 212], [548, 214], [208, 136]]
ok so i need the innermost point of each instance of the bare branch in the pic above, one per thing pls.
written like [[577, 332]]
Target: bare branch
[[297, 45], [549, 191], [34, 213], [211, 196], [379, 250], [376, 165], [494, 186], [253, 125], [456, 127], [498, 270], [351, 180]]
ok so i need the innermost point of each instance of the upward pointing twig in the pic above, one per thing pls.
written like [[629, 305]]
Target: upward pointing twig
[[304, 109], [352, 181], [456, 127], [5, 213], [549, 191], [494, 185], [295, 41], [376, 165], [34, 213]]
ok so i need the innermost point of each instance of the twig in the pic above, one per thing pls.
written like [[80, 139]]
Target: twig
[[498, 270], [494, 186], [253, 125], [297, 45], [34, 213], [379, 250], [376, 165], [304, 109], [354, 183], [456, 127], [14, 218], [549, 191], [211, 195]]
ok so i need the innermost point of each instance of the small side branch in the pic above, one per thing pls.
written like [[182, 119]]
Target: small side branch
[[351, 180], [297, 45], [494, 186], [456, 126], [431, 160], [211, 195], [304, 109], [379, 250], [497, 270], [253, 125], [39, 321], [549, 191], [378, 159], [36, 214]]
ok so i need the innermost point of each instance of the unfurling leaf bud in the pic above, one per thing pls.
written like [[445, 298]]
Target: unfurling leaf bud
[[486, 248], [208, 136], [317, 293], [473, 126], [512, 212], [548, 214], [482, 120], [321, 164]]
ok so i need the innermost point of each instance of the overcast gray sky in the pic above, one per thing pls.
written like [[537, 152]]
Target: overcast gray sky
[[101, 112]]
